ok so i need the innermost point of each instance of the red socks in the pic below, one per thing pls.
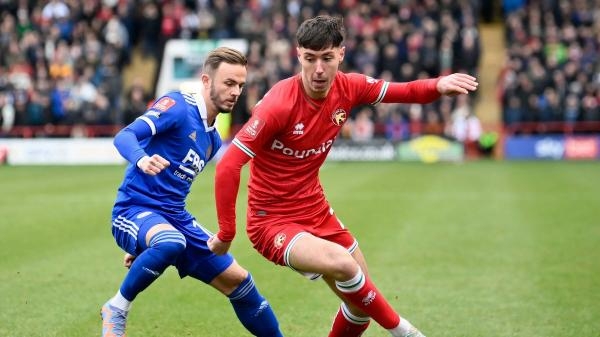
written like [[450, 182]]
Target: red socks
[[361, 292], [346, 324]]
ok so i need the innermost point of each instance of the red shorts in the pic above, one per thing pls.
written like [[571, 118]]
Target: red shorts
[[273, 236]]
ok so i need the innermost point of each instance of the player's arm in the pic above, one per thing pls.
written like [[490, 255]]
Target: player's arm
[[127, 142], [428, 90], [227, 183]]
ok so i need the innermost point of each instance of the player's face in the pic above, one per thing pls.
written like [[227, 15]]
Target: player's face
[[319, 68], [226, 86]]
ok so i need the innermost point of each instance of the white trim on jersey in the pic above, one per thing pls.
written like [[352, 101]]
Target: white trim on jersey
[[201, 104], [382, 92], [243, 147], [188, 98], [126, 226], [150, 124], [194, 98], [202, 228]]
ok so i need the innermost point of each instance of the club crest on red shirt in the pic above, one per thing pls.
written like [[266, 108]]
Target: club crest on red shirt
[[164, 104], [339, 116], [279, 240]]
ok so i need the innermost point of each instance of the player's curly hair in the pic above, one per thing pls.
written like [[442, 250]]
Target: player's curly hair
[[321, 32], [223, 54]]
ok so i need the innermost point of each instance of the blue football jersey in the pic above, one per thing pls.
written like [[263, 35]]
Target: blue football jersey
[[175, 128]]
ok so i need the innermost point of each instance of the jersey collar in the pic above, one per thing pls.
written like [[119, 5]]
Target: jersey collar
[[203, 113]]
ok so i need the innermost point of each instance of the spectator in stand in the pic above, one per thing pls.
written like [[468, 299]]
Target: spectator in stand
[[396, 128], [362, 127], [426, 38], [549, 66], [136, 102]]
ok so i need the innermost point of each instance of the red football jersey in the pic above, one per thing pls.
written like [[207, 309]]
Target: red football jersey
[[289, 136]]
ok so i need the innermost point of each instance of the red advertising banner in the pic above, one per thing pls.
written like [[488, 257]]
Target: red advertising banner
[[581, 147]]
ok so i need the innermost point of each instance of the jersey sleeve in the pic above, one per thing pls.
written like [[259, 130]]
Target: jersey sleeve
[[365, 89], [165, 113], [227, 184], [127, 141], [373, 91], [161, 116]]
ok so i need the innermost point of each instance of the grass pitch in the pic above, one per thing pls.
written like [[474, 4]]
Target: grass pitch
[[479, 249]]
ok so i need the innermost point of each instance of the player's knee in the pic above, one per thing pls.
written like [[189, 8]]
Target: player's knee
[[343, 267], [171, 243], [243, 288]]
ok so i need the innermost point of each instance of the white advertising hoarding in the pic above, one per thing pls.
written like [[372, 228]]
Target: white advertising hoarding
[[60, 151]]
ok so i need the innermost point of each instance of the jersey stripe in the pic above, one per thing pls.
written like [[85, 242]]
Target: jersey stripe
[[126, 226], [202, 228], [382, 92], [150, 123], [243, 147], [189, 98]]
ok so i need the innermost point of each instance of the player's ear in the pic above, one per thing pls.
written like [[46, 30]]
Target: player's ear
[[298, 53], [205, 81], [342, 53]]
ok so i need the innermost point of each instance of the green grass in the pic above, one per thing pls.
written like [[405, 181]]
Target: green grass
[[479, 249]]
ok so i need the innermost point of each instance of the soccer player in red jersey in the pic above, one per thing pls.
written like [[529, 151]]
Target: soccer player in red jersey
[[288, 137]]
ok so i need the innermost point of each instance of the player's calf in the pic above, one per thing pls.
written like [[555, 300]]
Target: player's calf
[[253, 310]]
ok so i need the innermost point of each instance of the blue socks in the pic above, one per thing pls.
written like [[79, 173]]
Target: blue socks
[[163, 250], [253, 310]]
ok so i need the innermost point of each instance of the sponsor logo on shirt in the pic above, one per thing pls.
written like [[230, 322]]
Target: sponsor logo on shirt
[[371, 80], [253, 127], [298, 129], [164, 104], [301, 154], [189, 168], [339, 116], [193, 135]]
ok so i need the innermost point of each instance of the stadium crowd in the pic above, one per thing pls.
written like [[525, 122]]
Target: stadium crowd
[[61, 61], [551, 79]]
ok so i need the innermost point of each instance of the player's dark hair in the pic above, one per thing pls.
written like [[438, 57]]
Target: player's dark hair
[[220, 55], [320, 32]]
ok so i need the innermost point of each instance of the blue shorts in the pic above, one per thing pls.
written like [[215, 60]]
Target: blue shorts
[[129, 228]]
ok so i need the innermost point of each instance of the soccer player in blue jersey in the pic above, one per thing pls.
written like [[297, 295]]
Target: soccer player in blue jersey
[[167, 147]]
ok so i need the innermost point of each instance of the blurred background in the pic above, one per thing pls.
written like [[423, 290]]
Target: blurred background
[[82, 70]]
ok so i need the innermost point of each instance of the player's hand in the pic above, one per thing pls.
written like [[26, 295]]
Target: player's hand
[[153, 165], [217, 246], [128, 260], [456, 84]]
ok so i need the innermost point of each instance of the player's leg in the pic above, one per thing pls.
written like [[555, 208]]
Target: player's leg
[[251, 308], [349, 321], [308, 253], [353, 314], [224, 274], [157, 245], [347, 324]]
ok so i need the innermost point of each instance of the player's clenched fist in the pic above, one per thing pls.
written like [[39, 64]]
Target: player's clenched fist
[[152, 165]]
